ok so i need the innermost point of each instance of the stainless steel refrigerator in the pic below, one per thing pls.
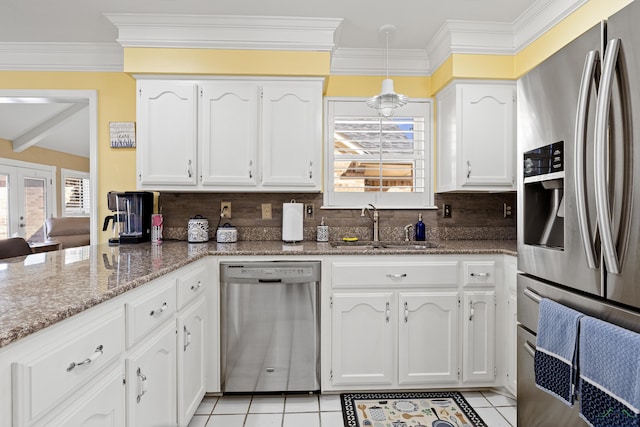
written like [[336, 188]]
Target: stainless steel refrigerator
[[579, 193]]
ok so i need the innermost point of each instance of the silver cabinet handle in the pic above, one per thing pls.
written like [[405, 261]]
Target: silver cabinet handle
[[601, 155], [472, 311], [387, 312], [480, 274], [250, 168], [162, 308], [406, 312], [468, 169], [99, 351], [189, 168], [310, 170], [196, 286], [589, 72], [187, 338], [396, 276], [142, 385]]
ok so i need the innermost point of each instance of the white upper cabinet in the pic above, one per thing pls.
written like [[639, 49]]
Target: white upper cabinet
[[167, 133], [242, 135], [229, 133], [292, 135], [476, 136]]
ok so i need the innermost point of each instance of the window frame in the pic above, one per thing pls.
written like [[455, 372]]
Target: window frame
[[381, 200], [70, 173]]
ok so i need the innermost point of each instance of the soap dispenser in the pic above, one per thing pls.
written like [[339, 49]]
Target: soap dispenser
[[420, 234]]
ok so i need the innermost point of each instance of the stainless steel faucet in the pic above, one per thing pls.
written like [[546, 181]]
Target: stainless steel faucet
[[375, 219]]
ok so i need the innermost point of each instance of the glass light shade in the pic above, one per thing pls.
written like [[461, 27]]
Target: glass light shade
[[388, 100]]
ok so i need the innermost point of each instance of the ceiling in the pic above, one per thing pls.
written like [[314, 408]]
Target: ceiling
[[83, 21]]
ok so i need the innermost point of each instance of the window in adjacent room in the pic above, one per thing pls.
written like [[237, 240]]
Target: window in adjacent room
[[385, 161], [76, 190]]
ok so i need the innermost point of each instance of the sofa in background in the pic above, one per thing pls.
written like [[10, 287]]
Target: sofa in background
[[69, 231]]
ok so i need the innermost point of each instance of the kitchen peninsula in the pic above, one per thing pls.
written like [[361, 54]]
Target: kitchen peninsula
[[43, 295]]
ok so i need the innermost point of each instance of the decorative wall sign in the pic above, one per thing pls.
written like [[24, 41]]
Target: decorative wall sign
[[122, 134]]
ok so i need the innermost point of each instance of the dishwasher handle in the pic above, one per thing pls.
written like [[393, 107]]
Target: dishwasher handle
[[269, 280]]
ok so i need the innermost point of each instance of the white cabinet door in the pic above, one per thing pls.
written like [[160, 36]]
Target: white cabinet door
[[362, 330], [488, 135], [478, 330], [167, 133], [229, 123], [101, 406], [191, 359], [292, 134], [428, 337], [151, 381], [476, 138]]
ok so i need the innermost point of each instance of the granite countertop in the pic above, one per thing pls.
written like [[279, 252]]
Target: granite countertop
[[39, 290]]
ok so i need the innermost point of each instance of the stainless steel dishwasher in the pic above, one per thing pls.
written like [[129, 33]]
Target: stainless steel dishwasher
[[270, 329]]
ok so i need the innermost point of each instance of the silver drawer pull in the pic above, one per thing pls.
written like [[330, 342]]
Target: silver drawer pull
[[530, 349], [397, 276], [196, 286], [142, 385], [480, 274], [159, 310], [97, 353]]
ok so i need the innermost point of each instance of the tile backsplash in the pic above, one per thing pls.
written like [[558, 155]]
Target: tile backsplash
[[473, 216]]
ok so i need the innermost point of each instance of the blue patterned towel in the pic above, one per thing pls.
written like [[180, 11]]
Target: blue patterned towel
[[609, 374], [555, 358]]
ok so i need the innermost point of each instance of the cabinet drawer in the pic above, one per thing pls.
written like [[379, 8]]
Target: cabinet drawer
[[151, 309], [359, 274], [191, 285], [42, 382], [479, 273]]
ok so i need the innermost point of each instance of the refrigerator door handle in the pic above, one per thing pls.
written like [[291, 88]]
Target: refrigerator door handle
[[601, 157], [588, 77]]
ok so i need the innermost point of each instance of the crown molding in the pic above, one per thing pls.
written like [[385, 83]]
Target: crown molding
[[470, 37], [540, 18], [61, 57], [226, 31], [402, 62]]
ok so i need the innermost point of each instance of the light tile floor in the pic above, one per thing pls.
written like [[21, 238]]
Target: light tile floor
[[497, 409]]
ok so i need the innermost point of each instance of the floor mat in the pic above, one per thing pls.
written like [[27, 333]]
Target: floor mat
[[424, 409]]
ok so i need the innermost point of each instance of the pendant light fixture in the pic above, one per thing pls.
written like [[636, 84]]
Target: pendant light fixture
[[387, 100]]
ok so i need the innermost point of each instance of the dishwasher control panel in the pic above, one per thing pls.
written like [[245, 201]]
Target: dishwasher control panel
[[298, 271]]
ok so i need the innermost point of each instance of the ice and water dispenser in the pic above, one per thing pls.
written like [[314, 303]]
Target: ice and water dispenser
[[544, 196]]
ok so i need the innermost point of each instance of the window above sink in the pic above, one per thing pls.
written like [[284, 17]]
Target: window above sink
[[385, 161]]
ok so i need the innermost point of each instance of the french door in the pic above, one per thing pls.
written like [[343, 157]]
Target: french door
[[26, 200]]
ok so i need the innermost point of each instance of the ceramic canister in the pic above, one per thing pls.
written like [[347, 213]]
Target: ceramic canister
[[198, 229], [227, 234]]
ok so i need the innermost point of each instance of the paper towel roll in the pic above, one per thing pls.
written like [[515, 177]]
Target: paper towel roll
[[292, 216]]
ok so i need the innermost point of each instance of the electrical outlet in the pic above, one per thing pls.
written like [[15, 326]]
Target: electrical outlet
[[446, 211], [266, 211], [308, 210], [225, 209], [506, 212]]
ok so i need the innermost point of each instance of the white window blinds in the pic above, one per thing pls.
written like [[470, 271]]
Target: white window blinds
[[379, 160], [77, 195]]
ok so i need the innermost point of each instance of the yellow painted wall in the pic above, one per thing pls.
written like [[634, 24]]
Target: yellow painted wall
[[116, 103], [46, 157]]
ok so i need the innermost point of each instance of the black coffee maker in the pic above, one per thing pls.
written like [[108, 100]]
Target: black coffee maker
[[131, 219]]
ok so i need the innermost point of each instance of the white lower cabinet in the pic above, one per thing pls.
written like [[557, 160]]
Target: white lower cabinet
[[363, 344], [151, 381], [191, 353], [102, 406], [479, 322], [137, 360], [412, 322], [427, 338]]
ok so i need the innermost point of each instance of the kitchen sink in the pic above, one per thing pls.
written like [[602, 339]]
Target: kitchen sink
[[368, 245]]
